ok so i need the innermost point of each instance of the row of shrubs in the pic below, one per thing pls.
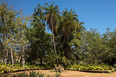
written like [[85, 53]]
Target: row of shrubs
[[31, 74], [5, 68], [96, 68]]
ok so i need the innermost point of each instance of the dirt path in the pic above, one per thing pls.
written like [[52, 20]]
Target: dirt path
[[68, 73]]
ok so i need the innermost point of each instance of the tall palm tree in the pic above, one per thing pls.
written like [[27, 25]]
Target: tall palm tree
[[52, 12], [69, 24]]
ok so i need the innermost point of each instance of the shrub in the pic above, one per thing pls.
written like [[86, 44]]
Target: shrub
[[90, 67], [114, 65], [57, 75], [5, 69], [31, 74]]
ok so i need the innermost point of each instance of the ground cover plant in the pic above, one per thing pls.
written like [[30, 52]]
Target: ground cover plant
[[96, 68], [6, 68], [30, 74]]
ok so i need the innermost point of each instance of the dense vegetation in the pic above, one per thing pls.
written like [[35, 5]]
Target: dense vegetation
[[92, 68], [6, 68], [25, 40], [31, 74]]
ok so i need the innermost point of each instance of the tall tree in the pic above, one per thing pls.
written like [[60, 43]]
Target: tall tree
[[94, 49], [69, 23], [22, 36], [40, 44], [3, 24], [7, 25], [109, 40], [52, 13], [40, 41], [11, 42]]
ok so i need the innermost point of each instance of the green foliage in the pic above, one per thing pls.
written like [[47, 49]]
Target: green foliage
[[40, 44], [57, 74], [64, 61], [114, 65], [5, 68], [68, 24], [90, 67], [31, 74]]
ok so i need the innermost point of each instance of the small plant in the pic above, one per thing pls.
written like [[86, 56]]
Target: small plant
[[114, 65], [57, 74], [52, 70]]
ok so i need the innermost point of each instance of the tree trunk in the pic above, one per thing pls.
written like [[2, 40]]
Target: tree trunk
[[7, 60], [55, 46], [4, 41], [4, 35], [23, 57], [41, 61], [12, 56], [67, 52]]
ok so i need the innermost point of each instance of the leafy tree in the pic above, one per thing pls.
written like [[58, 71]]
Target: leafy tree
[[11, 29], [109, 40], [112, 42], [4, 13], [22, 40], [40, 44], [95, 51], [40, 41], [7, 19]]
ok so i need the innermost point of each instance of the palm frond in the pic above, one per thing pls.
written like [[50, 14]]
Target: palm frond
[[46, 5]]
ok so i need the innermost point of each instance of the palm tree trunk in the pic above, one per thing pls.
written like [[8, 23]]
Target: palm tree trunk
[[54, 46], [12, 56]]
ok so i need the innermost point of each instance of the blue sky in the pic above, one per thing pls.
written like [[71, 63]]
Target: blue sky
[[96, 14]]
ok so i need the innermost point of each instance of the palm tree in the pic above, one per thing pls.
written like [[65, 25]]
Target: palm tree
[[69, 23], [52, 13]]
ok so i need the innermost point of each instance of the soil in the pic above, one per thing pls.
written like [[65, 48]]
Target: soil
[[68, 73]]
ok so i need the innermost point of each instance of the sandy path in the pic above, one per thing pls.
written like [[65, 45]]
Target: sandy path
[[68, 73]]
